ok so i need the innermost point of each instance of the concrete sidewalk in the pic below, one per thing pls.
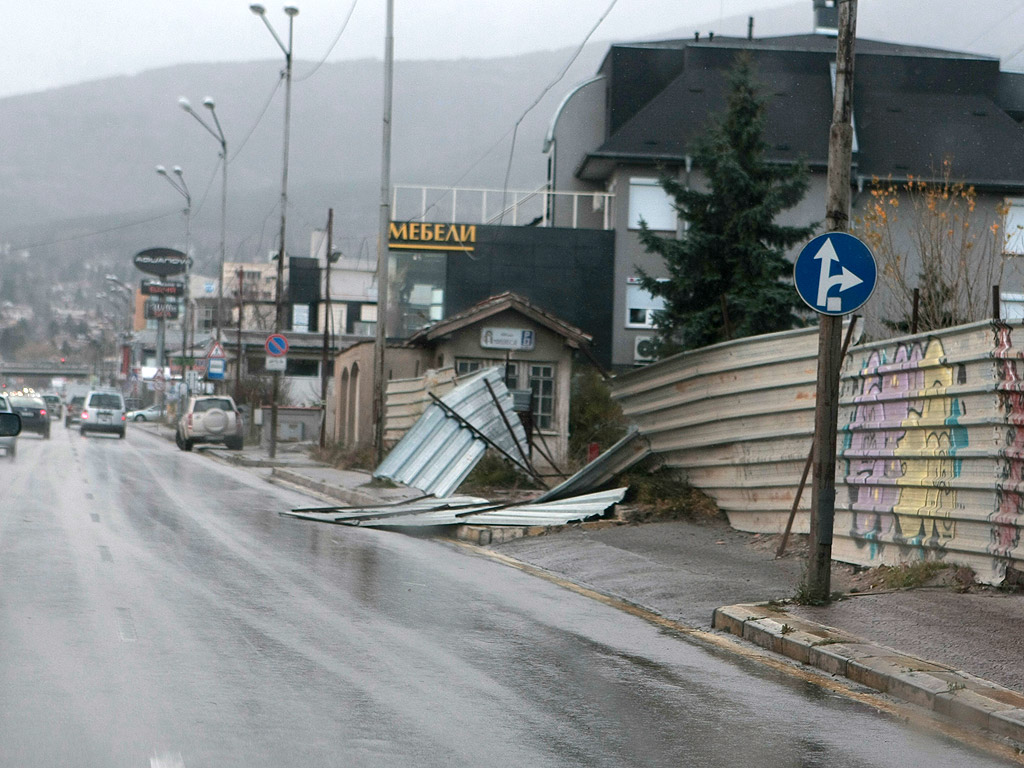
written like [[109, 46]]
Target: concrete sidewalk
[[955, 653]]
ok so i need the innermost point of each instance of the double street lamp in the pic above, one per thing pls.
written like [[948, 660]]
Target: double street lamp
[[279, 320], [178, 182], [219, 136]]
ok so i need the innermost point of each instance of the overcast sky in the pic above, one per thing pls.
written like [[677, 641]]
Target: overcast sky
[[48, 43]]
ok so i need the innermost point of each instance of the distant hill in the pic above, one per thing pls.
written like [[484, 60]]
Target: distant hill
[[77, 181]]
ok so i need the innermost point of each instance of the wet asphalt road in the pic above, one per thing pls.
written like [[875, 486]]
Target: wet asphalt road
[[153, 603]]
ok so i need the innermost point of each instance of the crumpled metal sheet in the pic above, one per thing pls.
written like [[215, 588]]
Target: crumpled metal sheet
[[628, 451], [468, 510], [437, 453]]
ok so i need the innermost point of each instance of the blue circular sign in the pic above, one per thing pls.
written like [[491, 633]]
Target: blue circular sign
[[277, 345], [835, 273]]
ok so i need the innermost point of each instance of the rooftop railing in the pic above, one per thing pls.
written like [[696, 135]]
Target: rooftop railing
[[467, 205]]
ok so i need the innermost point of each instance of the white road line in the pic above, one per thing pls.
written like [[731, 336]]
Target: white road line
[[167, 760]]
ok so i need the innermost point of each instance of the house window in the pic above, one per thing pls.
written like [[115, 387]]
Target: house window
[[1013, 227], [539, 378], [542, 383], [463, 366], [640, 305], [650, 202]]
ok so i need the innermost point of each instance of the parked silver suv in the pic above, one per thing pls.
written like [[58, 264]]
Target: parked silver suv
[[210, 419]]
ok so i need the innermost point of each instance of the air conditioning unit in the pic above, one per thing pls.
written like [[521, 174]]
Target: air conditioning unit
[[643, 349]]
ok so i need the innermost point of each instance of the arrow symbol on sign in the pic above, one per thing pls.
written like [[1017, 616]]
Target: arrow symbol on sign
[[845, 279]]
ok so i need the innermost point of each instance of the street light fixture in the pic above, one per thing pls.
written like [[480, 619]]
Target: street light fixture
[[291, 12], [178, 182], [219, 136]]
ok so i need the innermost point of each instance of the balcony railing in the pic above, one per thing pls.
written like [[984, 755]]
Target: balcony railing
[[467, 205]]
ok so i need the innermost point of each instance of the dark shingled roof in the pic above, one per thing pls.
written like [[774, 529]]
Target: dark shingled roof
[[912, 108]]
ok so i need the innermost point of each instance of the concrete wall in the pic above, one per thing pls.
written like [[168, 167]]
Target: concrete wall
[[931, 454]]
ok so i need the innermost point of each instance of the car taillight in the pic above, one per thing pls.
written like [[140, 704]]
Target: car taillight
[[42, 411], [188, 420], [122, 417], [85, 414]]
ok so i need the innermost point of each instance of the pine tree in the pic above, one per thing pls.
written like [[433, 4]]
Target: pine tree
[[728, 274]]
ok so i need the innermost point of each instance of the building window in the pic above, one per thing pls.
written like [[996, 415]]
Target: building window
[[1013, 227], [538, 378], [205, 319], [464, 366], [641, 305], [297, 367], [542, 383], [650, 202]]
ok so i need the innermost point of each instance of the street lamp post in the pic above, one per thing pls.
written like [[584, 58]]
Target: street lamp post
[[182, 189], [279, 321], [219, 136]]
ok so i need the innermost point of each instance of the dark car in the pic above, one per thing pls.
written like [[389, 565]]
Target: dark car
[[73, 411], [53, 406], [33, 414]]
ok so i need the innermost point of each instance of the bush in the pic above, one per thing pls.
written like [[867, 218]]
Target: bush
[[661, 495], [593, 416], [493, 472]]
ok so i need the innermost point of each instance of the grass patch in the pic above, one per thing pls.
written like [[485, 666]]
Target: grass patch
[[340, 457], [661, 495], [910, 575]]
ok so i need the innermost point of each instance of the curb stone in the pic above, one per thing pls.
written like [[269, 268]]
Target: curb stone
[[347, 495], [942, 689]]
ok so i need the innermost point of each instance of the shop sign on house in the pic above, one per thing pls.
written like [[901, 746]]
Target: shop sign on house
[[507, 338]]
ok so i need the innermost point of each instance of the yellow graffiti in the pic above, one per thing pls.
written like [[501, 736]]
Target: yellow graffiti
[[926, 450]]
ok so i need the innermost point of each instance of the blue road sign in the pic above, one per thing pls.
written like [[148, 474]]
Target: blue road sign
[[277, 345], [215, 368], [835, 273]]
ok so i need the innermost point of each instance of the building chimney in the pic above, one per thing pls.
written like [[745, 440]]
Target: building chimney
[[696, 36], [750, 27], [711, 36], [826, 18]]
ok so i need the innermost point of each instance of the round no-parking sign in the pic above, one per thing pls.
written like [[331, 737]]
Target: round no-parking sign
[[277, 345]]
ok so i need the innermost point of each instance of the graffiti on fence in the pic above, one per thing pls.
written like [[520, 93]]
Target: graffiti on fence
[[1006, 519], [900, 450]]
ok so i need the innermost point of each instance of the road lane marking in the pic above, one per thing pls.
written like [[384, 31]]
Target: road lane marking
[[95, 517], [105, 555], [126, 626], [167, 760]]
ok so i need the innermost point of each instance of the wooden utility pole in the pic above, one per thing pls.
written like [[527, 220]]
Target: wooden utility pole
[[818, 587], [327, 326], [382, 240]]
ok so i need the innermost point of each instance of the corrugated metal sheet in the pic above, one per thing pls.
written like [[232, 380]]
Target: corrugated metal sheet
[[407, 399], [472, 511], [735, 419], [439, 451], [931, 450], [624, 454]]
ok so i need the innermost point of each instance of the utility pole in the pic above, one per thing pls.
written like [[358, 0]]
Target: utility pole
[[818, 586], [382, 240], [327, 326], [239, 357]]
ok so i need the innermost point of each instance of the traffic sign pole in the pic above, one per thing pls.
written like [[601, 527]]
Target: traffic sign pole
[[818, 584]]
